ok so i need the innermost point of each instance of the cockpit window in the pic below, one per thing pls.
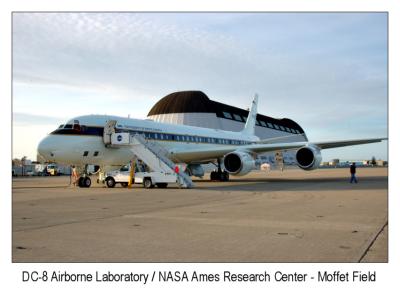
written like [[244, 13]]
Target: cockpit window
[[77, 127]]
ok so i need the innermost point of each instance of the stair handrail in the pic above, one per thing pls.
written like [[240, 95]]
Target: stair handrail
[[162, 154]]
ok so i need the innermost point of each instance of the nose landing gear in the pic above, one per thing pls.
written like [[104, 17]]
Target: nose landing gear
[[84, 182]]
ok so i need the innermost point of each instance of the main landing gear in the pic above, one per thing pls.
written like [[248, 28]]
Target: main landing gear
[[219, 175]]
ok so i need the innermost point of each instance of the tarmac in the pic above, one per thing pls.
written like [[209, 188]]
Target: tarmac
[[289, 216]]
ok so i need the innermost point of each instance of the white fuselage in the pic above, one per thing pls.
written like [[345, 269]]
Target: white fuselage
[[84, 144]]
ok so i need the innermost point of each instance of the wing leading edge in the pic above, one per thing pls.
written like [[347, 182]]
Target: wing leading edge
[[218, 152]]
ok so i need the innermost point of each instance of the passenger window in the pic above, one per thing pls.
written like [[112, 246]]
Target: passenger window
[[237, 117], [85, 153], [227, 115], [96, 153], [263, 123]]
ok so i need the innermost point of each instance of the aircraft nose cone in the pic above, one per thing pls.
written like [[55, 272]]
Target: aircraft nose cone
[[44, 149]]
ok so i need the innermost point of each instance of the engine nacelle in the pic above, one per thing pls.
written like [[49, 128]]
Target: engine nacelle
[[308, 157], [239, 163]]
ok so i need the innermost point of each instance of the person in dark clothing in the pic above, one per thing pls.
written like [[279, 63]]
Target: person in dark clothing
[[353, 173]]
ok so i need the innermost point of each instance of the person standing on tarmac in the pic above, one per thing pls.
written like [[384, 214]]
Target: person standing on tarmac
[[74, 175], [353, 173]]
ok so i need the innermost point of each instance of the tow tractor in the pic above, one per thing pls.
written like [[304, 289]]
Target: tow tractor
[[147, 179]]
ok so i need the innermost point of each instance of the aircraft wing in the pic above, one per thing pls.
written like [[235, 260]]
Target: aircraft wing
[[217, 152], [344, 143]]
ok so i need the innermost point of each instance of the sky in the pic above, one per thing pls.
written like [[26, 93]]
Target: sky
[[326, 71]]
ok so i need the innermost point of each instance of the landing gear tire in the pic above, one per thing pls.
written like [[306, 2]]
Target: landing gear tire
[[225, 176], [110, 182], [87, 182], [84, 182], [80, 182], [222, 176], [213, 176], [162, 185], [147, 183]]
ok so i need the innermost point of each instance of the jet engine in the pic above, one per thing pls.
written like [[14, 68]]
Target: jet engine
[[239, 163], [308, 157]]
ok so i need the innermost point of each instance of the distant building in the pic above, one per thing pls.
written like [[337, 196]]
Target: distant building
[[196, 109], [381, 163], [334, 162]]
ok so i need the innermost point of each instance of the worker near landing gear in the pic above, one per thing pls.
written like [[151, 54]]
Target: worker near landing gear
[[74, 175]]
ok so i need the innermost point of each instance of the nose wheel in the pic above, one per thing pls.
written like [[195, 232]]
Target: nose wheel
[[84, 182]]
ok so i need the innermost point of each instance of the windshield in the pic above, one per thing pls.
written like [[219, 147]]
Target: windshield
[[124, 168]]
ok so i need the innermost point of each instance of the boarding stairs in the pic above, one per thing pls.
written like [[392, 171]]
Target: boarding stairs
[[151, 153]]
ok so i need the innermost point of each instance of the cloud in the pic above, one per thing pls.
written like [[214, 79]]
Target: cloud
[[25, 119], [125, 50], [327, 71]]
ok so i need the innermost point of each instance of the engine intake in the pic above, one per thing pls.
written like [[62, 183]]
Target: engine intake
[[308, 157], [239, 163]]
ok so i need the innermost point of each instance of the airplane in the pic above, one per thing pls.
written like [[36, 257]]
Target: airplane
[[80, 142]]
